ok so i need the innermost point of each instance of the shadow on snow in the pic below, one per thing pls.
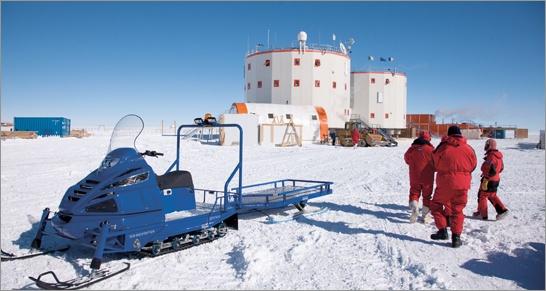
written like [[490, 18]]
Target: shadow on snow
[[342, 227], [525, 267], [525, 146], [395, 217]]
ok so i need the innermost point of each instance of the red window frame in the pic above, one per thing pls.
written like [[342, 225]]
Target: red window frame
[[276, 83], [387, 81], [317, 83], [267, 63], [317, 62], [297, 61], [259, 84], [386, 115], [372, 80], [296, 83], [334, 84], [372, 115]]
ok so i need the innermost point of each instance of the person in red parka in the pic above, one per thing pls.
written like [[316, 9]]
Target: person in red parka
[[491, 169], [454, 161], [421, 172], [356, 137]]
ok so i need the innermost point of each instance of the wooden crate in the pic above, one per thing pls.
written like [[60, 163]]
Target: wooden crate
[[79, 133]]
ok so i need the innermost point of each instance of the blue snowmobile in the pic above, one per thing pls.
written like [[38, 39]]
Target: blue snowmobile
[[124, 207]]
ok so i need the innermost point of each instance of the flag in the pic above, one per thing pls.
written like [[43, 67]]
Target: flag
[[391, 59], [333, 36], [370, 58], [382, 59]]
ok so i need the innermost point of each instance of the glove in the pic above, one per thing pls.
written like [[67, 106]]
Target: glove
[[483, 186]]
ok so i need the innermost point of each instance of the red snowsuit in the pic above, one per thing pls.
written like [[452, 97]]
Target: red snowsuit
[[491, 169], [355, 136], [421, 170], [454, 160]]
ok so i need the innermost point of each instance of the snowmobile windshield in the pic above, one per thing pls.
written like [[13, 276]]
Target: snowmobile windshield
[[126, 132]]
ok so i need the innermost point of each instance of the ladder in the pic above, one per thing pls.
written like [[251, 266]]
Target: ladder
[[291, 137]]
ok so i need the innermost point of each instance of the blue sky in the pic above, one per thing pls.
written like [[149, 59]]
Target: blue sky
[[94, 62]]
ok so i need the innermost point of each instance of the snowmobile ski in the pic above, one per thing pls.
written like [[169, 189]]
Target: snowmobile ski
[[12, 257], [305, 213], [80, 282]]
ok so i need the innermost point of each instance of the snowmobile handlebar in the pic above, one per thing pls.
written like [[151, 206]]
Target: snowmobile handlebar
[[151, 153]]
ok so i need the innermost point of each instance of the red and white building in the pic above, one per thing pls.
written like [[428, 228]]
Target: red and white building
[[306, 75], [379, 99], [313, 84]]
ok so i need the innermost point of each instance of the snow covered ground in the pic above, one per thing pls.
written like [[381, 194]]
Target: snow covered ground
[[364, 240]]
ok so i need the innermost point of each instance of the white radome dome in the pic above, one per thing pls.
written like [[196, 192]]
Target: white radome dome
[[302, 36]]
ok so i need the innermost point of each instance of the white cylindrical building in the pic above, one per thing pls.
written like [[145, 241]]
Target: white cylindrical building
[[379, 99], [313, 119], [314, 75]]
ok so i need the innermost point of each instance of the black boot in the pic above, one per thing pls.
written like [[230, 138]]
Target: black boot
[[440, 235], [448, 220], [456, 241], [502, 214]]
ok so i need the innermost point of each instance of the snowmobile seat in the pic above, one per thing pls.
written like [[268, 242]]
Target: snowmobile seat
[[175, 179]]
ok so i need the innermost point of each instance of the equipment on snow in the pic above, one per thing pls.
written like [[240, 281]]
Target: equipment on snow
[[77, 283], [12, 257], [304, 213], [368, 136], [124, 206]]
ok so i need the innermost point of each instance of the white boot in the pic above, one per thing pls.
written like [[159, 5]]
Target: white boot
[[414, 207], [424, 211]]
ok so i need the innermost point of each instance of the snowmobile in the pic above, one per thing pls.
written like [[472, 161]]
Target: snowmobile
[[123, 206]]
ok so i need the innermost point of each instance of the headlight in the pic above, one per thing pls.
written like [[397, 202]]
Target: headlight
[[135, 179], [108, 162]]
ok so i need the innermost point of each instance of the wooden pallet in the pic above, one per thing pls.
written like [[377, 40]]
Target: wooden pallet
[[18, 134]]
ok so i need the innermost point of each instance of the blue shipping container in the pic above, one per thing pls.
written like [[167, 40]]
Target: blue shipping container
[[500, 134], [44, 126]]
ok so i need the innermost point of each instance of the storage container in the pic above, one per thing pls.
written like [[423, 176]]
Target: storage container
[[43, 126]]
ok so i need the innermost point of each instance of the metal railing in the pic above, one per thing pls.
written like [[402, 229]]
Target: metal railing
[[312, 46], [238, 168]]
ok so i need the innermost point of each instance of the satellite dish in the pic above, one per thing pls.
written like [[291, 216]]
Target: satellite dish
[[350, 43], [342, 48]]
